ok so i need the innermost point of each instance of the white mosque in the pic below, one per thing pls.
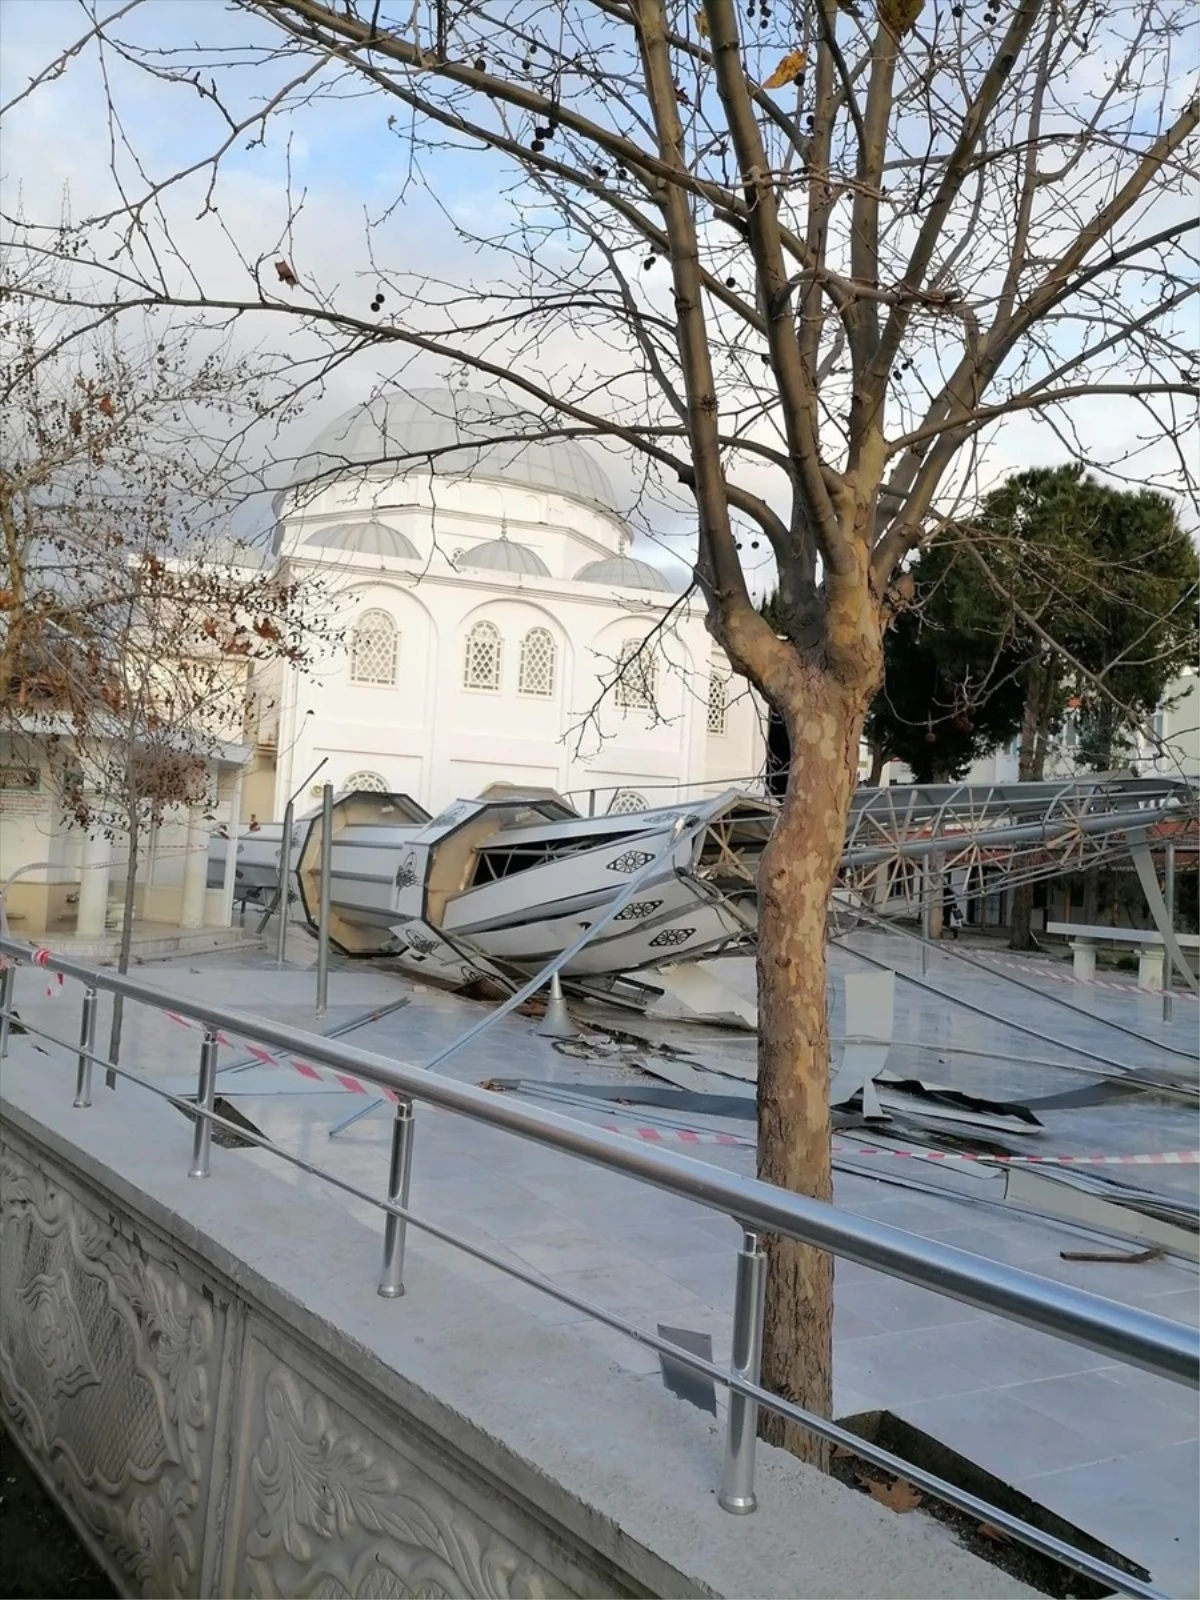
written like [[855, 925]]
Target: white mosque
[[495, 629], [488, 598]]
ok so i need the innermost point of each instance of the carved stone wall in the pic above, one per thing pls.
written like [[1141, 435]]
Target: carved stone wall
[[200, 1448], [110, 1355]]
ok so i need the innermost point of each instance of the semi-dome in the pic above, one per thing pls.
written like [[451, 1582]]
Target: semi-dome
[[623, 572], [454, 433], [366, 538], [504, 555]]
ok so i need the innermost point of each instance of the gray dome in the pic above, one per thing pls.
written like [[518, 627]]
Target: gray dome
[[504, 555], [456, 434], [366, 538], [623, 572]]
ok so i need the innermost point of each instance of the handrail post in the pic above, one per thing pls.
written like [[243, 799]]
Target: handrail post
[[87, 1048], [1168, 999], [7, 998], [326, 889], [202, 1133], [391, 1279], [283, 908], [737, 1472]]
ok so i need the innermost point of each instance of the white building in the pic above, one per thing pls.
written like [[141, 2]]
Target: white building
[[488, 596], [483, 577]]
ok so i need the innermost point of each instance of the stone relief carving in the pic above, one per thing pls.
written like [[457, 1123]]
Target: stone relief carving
[[56, 1334], [339, 1514], [108, 1362]]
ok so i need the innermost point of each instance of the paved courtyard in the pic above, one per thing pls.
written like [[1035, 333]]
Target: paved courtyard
[[1114, 1450]]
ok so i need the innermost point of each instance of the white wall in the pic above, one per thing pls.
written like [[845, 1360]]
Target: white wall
[[430, 735]]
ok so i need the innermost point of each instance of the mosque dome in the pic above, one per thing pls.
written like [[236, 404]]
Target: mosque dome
[[504, 555], [456, 434], [623, 572], [366, 538]]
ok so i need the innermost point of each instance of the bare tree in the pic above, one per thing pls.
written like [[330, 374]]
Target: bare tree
[[131, 626], [883, 229]]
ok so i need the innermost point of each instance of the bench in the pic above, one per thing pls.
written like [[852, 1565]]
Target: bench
[[1085, 938]]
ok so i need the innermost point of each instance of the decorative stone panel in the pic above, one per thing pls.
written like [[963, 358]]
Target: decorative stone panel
[[109, 1363], [324, 1505]]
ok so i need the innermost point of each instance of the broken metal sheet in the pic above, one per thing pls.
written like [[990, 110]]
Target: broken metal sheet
[[935, 1102], [697, 1388], [1052, 1194], [693, 992], [870, 1025]]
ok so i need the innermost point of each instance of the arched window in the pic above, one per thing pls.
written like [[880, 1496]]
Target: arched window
[[636, 675], [538, 662], [627, 800], [368, 782], [718, 703], [373, 651], [481, 667]]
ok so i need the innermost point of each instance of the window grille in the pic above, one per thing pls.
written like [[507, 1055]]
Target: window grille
[[481, 667], [370, 782], [627, 800], [637, 672], [718, 703], [373, 652], [538, 662]]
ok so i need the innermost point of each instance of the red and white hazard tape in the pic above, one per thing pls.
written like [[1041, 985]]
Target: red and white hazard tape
[[689, 1136], [1036, 969], [306, 1069], [1160, 1158]]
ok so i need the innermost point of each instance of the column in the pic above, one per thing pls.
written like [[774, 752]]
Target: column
[[92, 910], [195, 870], [234, 831]]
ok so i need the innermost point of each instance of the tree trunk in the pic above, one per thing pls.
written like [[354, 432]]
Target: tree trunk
[[878, 762], [127, 907], [795, 879]]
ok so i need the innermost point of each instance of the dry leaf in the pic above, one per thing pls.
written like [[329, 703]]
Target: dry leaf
[[899, 1495], [788, 70], [988, 1532], [283, 271], [701, 23], [899, 16]]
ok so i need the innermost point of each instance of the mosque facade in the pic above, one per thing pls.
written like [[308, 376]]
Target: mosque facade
[[495, 626]]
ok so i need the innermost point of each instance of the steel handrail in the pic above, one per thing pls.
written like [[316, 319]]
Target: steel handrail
[[1124, 1333], [736, 1381]]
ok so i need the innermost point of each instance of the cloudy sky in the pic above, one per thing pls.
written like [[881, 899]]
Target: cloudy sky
[[340, 158]]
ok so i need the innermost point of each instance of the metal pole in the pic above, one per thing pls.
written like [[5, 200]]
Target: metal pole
[[591, 802], [202, 1133], [1168, 1000], [926, 915], [285, 881], [737, 1473], [391, 1279], [87, 1047], [7, 999], [323, 908]]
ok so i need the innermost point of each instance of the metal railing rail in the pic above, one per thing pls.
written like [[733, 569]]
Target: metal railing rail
[[1165, 1348]]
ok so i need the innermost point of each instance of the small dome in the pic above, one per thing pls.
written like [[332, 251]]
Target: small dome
[[623, 572], [505, 555], [366, 538]]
